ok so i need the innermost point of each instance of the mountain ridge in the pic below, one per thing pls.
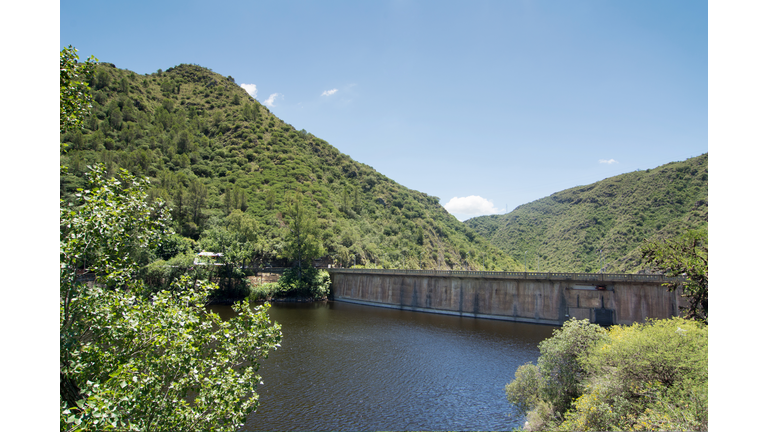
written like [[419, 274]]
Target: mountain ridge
[[567, 230], [228, 168]]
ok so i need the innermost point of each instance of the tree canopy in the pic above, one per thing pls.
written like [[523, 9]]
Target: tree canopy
[[685, 255], [133, 358], [74, 96]]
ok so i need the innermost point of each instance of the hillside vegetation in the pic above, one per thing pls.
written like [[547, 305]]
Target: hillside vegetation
[[229, 168], [566, 231]]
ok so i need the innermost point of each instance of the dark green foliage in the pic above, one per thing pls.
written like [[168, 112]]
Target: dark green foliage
[[173, 245], [302, 236], [685, 255], [209, 157], [308, 283], [102, 79], [567, 231]]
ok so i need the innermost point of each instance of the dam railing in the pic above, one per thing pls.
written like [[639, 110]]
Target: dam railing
[[587, 277]]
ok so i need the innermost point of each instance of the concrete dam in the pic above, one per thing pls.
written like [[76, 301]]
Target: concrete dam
[[543, 298]]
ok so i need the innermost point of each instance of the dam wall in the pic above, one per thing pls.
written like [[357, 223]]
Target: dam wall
[[544, 298]]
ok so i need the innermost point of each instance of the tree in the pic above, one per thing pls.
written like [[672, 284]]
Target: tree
[[303, 241], [183, 143], [198, 196], [685, 255], [559, 360], [101, 80], [345, 200], [310, 282], [131, 359], [74, 94], [548, 388], [115, 118]]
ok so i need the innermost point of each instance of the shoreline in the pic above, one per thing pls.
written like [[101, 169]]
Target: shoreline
[[231, 301]]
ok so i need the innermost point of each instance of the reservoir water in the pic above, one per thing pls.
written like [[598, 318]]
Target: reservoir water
[[344, 366]]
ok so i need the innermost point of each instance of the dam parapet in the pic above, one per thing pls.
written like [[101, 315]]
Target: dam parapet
[[533, 297]]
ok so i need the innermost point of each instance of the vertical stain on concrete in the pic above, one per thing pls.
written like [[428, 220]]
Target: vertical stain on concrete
[[563, 305], [402, 292], [673, 309], [428, 299], [514, 290]]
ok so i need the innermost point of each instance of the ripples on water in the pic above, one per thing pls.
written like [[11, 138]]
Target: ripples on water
[[350, 367]]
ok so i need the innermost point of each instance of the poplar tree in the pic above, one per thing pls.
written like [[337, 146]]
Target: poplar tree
[[74, 94], [303, 237], [132, 358]]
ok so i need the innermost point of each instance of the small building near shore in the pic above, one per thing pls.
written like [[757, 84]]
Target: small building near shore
[[209, 258]]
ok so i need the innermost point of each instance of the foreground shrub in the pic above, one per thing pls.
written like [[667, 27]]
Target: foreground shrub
[[650, 376], [559, 365], [132, 357], [656, 372], [523, 391], [591, 411]]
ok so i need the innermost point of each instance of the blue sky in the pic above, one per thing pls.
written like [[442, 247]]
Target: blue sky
[[485, 104], [509, 101]]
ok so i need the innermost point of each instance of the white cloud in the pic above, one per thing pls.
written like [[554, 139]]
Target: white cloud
[[608, 161], [270, 102], [250, 88], [329, 92], [470, 206]]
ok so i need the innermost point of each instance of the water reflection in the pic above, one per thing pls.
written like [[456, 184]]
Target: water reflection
[[351, 367]]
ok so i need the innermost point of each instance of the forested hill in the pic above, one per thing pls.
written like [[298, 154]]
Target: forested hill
[[565, 232], [228, 168]]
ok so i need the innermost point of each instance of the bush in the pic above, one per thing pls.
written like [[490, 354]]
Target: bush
[[650, 376], [263, 292], [305, 282], [664, 351], [523, 391], [592, 411], [173, 245], [559, 362], [658, 370]]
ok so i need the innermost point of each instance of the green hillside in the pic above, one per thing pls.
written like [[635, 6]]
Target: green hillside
[[228, 167], [565, 231]]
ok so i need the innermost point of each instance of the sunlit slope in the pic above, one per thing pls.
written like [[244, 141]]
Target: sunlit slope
[[211, 151], [566, 231]]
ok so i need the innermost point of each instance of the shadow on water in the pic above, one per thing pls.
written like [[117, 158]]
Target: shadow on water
[[344, 366]]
